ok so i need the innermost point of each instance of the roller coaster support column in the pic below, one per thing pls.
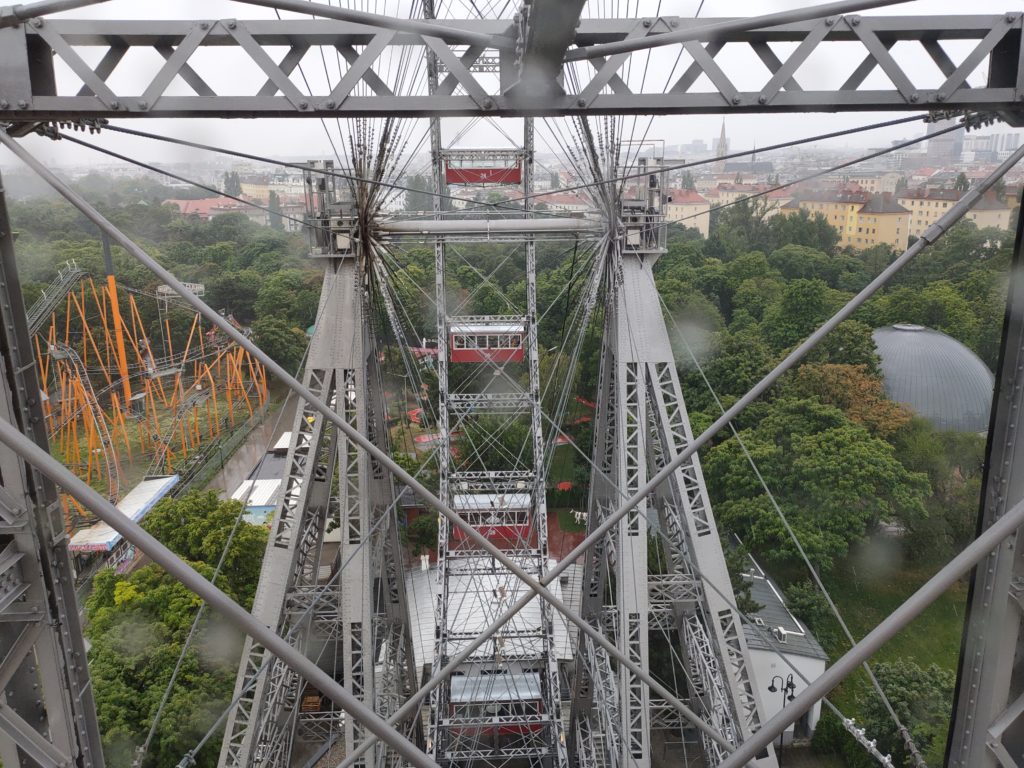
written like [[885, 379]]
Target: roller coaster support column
[[115, 312]]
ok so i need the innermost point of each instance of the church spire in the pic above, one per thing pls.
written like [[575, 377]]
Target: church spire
[[723, 142]]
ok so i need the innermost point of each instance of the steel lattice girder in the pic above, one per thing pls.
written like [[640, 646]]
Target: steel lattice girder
[[33, 88], [47, 716]]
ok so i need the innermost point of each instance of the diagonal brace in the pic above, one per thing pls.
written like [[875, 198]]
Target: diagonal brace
[[353, 434]]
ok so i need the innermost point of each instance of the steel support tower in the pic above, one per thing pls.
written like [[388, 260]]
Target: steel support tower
[[332, 576], [331, 581], [641, 426]]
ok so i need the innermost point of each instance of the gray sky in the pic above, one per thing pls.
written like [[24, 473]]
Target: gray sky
[[306, 137]]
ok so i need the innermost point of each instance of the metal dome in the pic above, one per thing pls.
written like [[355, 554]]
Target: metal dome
[[936, 375]]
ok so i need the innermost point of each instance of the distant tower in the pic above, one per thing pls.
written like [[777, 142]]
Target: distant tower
[[721, 150], [723, 143]]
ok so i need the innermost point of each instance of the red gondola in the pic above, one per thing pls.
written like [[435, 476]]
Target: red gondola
[[490, 342], [483, 166]]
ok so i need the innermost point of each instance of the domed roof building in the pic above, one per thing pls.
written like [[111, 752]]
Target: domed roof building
[[936, 375]]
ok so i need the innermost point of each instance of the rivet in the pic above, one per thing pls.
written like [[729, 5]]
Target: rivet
[[115, 104], [204, 25], [488, 104], [143, 105], [647, 22], [855, 20], [829, 21], [22, 104], [329, 105], [4, 103], [303, 105], [735, 100], [940, 96], [915, 97], [37, 23], [762, 99], [581, 102], [232, 24]]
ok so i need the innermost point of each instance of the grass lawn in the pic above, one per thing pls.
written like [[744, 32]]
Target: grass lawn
[[567, 522], [561, 464], [874, 581]]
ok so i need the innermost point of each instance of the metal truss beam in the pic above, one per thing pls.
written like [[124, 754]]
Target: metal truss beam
[[988, 720], [491, 226], [546, 29], [31, 91], [12, 15], [47, 713]]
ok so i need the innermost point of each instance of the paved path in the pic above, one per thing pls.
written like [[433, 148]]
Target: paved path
[[260, 440]]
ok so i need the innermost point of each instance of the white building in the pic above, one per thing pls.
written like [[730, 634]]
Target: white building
[[781, 648]]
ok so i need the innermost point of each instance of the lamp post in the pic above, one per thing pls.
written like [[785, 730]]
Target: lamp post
[[787, 688]]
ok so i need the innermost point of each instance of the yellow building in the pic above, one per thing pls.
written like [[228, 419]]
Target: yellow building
[[877, 183], [256, 190], [990, 211], [927, 205], [862, 220], [690, 208]]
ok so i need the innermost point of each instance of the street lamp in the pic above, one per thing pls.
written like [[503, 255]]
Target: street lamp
[[787, 688]]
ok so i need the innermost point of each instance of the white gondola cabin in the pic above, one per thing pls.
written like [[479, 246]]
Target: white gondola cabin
[[486, 342], [498, 704], [501, 517]]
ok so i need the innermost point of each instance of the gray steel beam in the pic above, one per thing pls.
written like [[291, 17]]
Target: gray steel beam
[[497, 226], [1002, 535], [987, 715], [538, 587], [12, 15], [546, 30], [721, 30], [162, 556], [448, 29], [47, 705], [30, 91]]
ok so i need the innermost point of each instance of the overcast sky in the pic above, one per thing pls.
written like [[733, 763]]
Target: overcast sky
[[306, 137]]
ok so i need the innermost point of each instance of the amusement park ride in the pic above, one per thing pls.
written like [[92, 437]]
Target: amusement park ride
[[330, 674], [115, 409]]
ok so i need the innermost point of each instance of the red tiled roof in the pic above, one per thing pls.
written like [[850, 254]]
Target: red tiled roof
[[686, 196], [205, 207]]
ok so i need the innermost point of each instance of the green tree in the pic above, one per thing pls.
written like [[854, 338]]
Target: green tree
[[283, 342], [814, 459], [197, 527], [423, 533], [232, 183], [961, 184], [137, 624], [856, 391], [235, 293], [804, 305], [291, 294], [804, 229], [418, 196], [494, 443], [922, 698], [276, 221]]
